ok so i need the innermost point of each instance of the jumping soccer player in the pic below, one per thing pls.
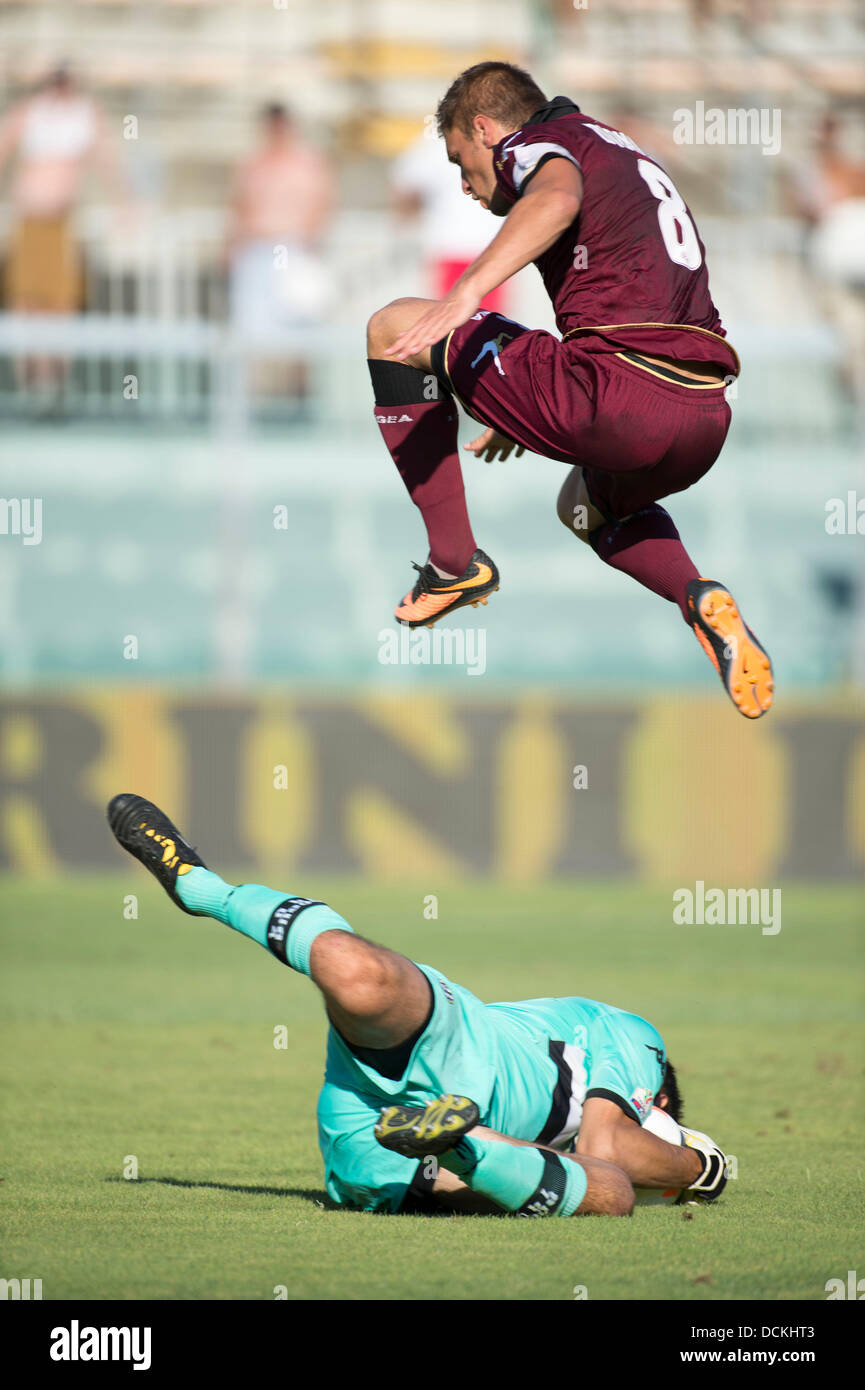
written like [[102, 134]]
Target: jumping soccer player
[[632, 397], [418, 1067]]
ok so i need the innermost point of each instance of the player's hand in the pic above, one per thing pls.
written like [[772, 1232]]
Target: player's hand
[[713, 1179], [440, 319], [492, 445]]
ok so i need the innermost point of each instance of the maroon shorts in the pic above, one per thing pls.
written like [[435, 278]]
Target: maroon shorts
[[638, 434]]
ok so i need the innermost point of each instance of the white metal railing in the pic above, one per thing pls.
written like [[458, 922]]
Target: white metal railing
[[169, 267], [178, 357]]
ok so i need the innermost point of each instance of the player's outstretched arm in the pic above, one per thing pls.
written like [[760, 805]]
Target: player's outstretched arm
[[547, 208], [607, 1132], [549, 205]]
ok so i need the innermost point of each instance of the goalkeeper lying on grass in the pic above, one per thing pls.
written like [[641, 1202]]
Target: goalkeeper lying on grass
[[432, 1097]]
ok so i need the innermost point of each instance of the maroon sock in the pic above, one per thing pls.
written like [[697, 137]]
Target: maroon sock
[[647, 547], [421, 436]]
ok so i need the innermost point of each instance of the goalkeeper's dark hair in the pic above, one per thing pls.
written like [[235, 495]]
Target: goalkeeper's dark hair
[[673, 1094], [501, 90]]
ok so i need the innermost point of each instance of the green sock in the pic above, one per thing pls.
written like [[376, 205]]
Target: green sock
[[522, 1179], [285, 925]]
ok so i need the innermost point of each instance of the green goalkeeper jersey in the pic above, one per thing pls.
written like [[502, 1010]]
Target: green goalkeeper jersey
[[528, 1065]]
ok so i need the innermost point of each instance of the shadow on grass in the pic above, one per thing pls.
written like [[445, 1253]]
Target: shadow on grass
[[309, 1194], [317, 1196]]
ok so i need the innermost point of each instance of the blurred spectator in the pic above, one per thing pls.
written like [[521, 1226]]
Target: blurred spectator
[[52, 137], [830, 177], [454, 228], [281, 209], [829, 193]]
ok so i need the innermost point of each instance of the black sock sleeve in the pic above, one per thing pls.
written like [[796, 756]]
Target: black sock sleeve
[[394, 383]]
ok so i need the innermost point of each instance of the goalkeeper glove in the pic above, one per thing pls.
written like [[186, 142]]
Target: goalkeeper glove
[[713, 1179]]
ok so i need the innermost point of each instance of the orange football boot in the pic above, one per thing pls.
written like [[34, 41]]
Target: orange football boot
[[741, 662], [433, 598]]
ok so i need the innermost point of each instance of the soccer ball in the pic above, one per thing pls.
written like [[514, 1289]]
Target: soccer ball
[[665, 1127]]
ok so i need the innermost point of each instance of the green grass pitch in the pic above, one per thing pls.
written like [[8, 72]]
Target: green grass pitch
[[155, 1038]]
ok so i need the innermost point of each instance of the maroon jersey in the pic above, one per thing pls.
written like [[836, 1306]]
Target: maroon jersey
[[630, 271]]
